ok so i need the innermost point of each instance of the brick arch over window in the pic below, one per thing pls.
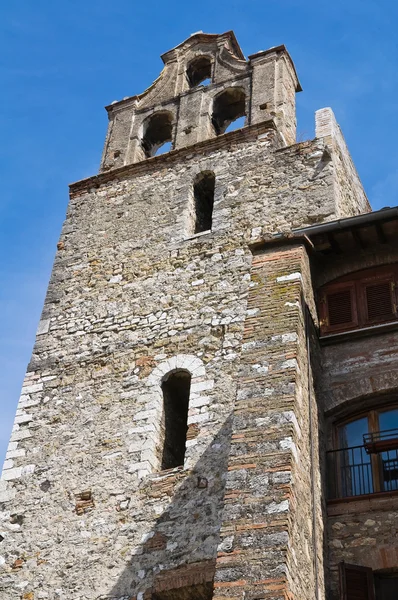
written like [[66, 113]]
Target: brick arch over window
[[176, 386], [146, 441], [343, 268]]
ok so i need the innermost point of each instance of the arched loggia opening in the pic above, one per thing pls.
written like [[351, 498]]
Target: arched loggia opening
[[157, 134], [199, 71], [175, 387], [228, 106]]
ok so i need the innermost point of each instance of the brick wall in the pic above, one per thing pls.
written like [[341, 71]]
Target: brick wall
[[266, 548]]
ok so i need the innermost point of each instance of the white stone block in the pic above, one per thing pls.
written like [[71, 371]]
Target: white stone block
[[202, 385], [43, 327], [15, 453], [289, 364], [199, 401], [291, 277], [32, 389], [7, 495], [11, 474], [142, 429], [134, 467], [145, 414], [23, 418], [20, 435], [201, 418], [27, 403]]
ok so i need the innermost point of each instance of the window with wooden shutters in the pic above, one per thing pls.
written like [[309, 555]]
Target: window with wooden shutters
[[378, 299], [361, 299], [356, 583], [338, 308]]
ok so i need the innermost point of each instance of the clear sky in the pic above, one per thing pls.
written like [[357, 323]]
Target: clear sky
[[61, 62]]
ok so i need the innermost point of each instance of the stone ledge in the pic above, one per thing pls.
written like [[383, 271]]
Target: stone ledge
[[247, 133]]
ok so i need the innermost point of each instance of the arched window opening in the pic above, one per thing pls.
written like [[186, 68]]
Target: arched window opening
[[203, 192], [199, 71], [237, 124], [175, 388], [365, 458], [227, 108], [157, 134]]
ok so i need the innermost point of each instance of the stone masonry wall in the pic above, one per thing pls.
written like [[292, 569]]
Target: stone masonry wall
[[85, 514], [349, 193], [362, 532]]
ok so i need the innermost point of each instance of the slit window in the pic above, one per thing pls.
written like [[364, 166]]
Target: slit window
[[157, 135], [175, 387], [228, 107], [203, 192], [362, 299], [199, 71]]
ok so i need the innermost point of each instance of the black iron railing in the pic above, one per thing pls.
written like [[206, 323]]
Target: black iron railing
[[380, 441], [357, 471]]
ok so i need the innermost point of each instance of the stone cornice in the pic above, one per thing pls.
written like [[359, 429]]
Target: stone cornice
[[245, 134]]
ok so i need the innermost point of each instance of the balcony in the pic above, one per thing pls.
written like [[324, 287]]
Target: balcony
[[367, 469]]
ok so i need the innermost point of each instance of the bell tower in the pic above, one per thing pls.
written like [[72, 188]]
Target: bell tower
[[162, 446], [206, 84]]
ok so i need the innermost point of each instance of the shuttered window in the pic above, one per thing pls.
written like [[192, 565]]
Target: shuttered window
[[338, 308], [356, 583], [362, 299], [379, 301]]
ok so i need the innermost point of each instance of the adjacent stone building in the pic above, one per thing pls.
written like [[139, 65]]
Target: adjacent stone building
[[211, 407]]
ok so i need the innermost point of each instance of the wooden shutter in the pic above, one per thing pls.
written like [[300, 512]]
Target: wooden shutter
[[338, 308], [378, 300], [356, 583]]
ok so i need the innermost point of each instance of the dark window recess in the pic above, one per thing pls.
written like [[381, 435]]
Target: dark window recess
[[356, 583], [157, 134], [360, 299], [386, 586], [229, 106], [199, 71], [203, 192], [175, 388], [361, 583]]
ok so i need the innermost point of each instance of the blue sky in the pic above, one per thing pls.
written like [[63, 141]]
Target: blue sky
[[61, 62]]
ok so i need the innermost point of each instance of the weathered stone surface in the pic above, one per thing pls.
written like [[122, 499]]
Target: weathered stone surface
[[135, 295]]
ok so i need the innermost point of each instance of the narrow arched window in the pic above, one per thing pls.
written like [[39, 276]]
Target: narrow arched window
[[175, 387], [199, 71], [157, 134], [203, 192], [228, 107]]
